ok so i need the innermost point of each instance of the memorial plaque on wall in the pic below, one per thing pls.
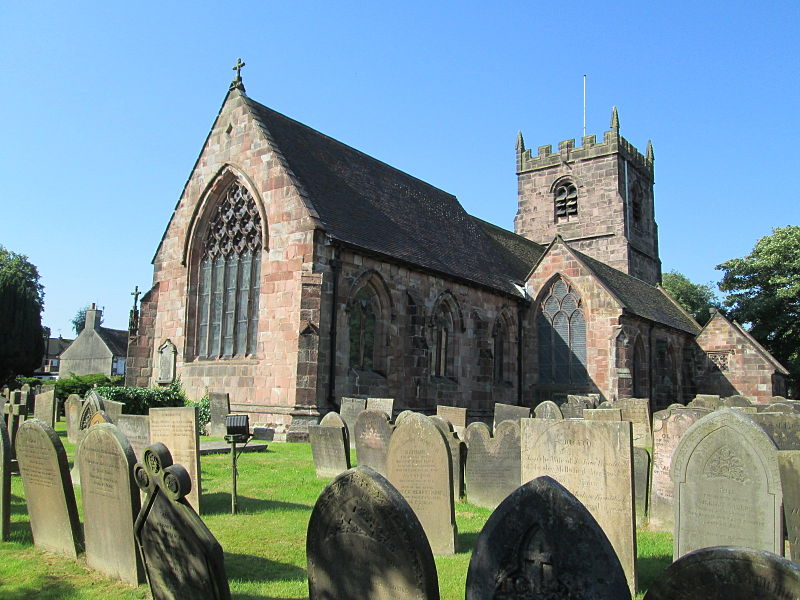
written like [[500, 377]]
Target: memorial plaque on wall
[[593, 460], [365, 542], [349, 412], [509, 412], [219, 405], [493, 463], [373, 432], [176, 428], [329, 449], [137, 429], [385, 405], [727, 486]]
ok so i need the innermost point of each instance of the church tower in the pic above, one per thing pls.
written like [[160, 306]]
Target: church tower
[[597, 197]]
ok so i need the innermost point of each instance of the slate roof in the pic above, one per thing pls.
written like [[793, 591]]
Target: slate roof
[[521, 253], [115, 339], [368, 204]]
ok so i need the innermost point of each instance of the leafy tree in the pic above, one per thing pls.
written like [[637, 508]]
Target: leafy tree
[[21, 304], [764, 294], [79, 320], [695, 298]]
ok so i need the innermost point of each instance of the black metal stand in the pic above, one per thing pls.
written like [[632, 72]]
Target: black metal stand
[[233, 440]]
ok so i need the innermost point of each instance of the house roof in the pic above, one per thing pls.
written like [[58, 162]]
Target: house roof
[[115, 339], [370, 205], [56, 346]]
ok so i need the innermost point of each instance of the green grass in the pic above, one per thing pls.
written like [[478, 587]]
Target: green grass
[[264, 544]]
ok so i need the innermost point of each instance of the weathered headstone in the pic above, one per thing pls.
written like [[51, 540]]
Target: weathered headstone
[[493, 463], [5, 482], [592, 459], [334, 419], [727, 486], [219, 406], [547, 410], [93, 403], [373, 432], [72, 412], [385, 405], [575, 404], [711, 401], [509, 412], [15, 411], [329, 449], [110, 503], [182, 558], [48, 489], [402, 416], [780, 407], [783, 428], [542, 543], [419, 466], [113, 409], [176, 428], [457, 417], [748, 410], [457, 453], [364, 541], [137, 429], [732, 401], [602, 414], [727, 573], [637, 411], [100, 417], [668, 428], [45, 408], [349, 412], [789, 466], [641, 483]]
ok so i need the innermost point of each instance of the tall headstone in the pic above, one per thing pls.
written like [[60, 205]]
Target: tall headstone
[[457, 417], [789, 465], [574, 406], [373, 432], [182, 558], [541, 542], [329, 449], [602, 414], [637, 411], [593, 460], [72, 412], [385, 405], [547, 410], [137, 429], [509, 412], [176, 428], [113, 409], [493, 463], [641, 483], [48, 489], [668, 428], [727, 486], [349, 412], [45, 408], [5, 482], [110, 503], [219, 406], [419, 466], [457, 454], [364, 541], [783, 428]]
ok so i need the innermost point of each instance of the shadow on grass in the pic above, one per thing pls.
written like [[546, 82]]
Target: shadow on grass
[[45, 588], [257, 568], [649, 568], [465, 542], [219, 503]]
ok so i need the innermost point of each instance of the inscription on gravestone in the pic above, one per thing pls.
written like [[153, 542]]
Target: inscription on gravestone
[[493, 464], [385, 405], [784, 429], [373, 432], [349, 412], [637, 411], [220, 406], [137, 429], [329, 449], [602, 414], [176, 428]]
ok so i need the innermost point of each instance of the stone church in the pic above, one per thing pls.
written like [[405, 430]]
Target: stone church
[[296, 270]]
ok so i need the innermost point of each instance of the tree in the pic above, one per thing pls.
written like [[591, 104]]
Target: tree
[[79, 320], [21, 304], [695, 298], [764, 295]]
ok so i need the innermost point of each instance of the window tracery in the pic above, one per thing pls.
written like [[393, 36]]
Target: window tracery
[[562, 336]]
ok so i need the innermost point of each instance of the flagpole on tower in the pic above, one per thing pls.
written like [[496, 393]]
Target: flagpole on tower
[[584, 106]]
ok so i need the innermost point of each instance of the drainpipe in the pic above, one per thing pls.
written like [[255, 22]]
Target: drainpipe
[[336, 266]]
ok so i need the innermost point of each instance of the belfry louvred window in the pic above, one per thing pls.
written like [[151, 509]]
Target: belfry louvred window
[[566, 201], [228, 286], [562, 336]]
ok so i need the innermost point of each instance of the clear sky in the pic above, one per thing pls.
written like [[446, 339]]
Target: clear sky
[[105, 107]]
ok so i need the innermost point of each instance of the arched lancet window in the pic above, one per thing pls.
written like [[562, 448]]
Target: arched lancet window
[[501, 346], [442, 356], [565, 198], [362, 324], [228, 278], [641, 378], [562, 336], [637, 202]]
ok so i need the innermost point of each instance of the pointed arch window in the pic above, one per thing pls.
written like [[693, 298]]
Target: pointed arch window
[[501, 345], [442, 356], [562, 336], [229, 277], [362, 322], [566, 201]]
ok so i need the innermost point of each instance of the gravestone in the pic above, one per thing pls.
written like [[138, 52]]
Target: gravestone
[[219, 406], [641, 483], [373, 432], [113, 409], [783, 428], [457, 454], [137, 429], [364, 541], [457, 417], [93, 403], [547, 410], [99, 417], [349, 412], [5, 482], [385, 405], [402, 417], [334, 419], [789, 466], [72, 412], [592, 459], [15, 412], [45, 407], [711, 401], [181, 557], [329, 449], [575, 404], [780, 407], [110, 503], [748, 410], [542, 543], [509, 412], [668, 429], [48, 489], [493, 463], [727, 486], [602, 414], [606, 404], [176, 428], [419, 466], [732, 401], [727, 573], [637, 411]]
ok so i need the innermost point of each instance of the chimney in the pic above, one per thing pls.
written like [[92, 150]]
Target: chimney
[[93, 315]]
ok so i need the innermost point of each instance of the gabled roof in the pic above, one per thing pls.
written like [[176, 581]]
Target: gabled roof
[[367, 204], [115, 339], [766, 354], [521, 252]]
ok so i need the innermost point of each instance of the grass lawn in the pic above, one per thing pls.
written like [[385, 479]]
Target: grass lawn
[[264, 544]]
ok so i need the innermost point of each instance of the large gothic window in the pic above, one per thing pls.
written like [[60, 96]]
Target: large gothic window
[[566, 201], [362, 323], [228, 282], [562, 336]]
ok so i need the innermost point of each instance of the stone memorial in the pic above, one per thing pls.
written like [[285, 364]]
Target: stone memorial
[[592, 459], [419, 466], [780, 407], [176, 428], [727, 486], [5, 482], [493, 463], [220, 406], [575, 404], [727, 573], [93, 403], [45, 407], [385, 405], [457, 417], [706, 401], [789, 466], [641, 484], [602, 414], [542, 543], [137, 429], [181, 557], [547, 410], [72, 412], [783, 428], [373, 432], [457, 454], [637, 411], [732, 401], [15, 412], [402, 416], [334, 419], [110, 503], [349, 412], [329, 449], [113, 409], [99, 417], [48, 489], [668, 428], [509, 412], [364, 541]]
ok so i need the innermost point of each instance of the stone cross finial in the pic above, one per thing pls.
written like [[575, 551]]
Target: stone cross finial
[[237, 81], [136, 293]]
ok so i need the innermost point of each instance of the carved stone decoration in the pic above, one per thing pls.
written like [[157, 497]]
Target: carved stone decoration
[[235, 226], [167, 353], [720, 360]]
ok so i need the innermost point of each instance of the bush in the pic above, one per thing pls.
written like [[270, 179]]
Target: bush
[[81, 384], [139, 400], [203, 412]]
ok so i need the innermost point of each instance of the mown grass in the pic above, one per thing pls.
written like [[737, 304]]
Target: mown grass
[[264, 544]]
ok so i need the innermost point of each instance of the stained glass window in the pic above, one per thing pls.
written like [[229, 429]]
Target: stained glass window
[[562, 336]]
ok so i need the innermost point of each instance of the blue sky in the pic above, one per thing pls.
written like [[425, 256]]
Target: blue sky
[[106, 106]]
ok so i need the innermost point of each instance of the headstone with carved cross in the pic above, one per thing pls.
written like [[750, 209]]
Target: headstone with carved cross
[[15, 412]]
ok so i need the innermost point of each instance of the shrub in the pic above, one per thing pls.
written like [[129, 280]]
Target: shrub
[[203, 412], [79, 384], [139, 400]]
